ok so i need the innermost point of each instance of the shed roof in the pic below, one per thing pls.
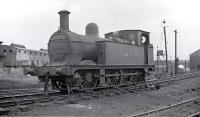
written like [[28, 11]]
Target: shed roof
[[195, 53], [17, 45]]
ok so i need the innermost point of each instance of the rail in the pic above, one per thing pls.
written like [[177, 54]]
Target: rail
[[164, 108], [195, 115]]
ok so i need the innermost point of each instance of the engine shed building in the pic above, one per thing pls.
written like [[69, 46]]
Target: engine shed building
[[19, 55], [195, 61]]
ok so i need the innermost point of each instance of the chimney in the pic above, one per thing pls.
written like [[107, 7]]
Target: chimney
[[64, 20]]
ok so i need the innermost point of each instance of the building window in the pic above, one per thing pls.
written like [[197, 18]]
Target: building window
[[35, 53], [44, 54], [30, 52], [19, 51], [10, 51], [25, 52], [40, 53]]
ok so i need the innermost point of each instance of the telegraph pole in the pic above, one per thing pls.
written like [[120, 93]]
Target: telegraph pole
[[158, 63], [185, 65], [166, 60], [175, 62]]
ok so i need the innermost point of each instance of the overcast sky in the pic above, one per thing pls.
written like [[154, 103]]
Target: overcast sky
[[32, 22]]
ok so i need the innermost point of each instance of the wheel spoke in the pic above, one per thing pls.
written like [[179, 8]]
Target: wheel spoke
[[87, 80], [87, 84], [113, 81], [84, 84]]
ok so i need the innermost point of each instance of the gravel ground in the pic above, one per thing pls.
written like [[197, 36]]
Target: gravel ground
[[123, 104]]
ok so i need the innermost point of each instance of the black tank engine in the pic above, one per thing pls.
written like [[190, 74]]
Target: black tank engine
[[88, 61]]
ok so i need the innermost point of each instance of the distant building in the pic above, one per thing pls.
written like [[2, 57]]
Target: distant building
[[195, 61], [160, 66], [19, 55]]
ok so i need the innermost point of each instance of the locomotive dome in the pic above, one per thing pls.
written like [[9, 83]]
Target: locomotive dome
[[92, 29]]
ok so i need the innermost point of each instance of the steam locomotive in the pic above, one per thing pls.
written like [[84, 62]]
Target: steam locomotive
[[88, 61]]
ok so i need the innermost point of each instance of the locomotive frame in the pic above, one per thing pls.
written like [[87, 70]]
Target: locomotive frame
[[95, 76]]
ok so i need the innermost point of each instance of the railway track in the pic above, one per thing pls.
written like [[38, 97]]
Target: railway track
[[195, 115], [17, 90], [24, 99], [21, 87], [148, 113]]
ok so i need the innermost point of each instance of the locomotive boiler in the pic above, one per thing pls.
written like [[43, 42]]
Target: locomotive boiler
[[88, 61]]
